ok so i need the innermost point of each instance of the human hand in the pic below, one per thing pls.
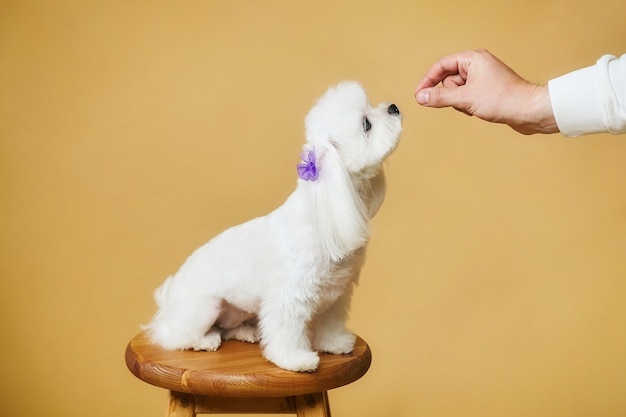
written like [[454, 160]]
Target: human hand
[[479, 84]]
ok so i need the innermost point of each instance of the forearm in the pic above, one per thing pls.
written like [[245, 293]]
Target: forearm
[[536, 116]]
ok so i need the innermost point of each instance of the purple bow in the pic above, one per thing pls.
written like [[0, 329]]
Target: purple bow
[[308, 171]]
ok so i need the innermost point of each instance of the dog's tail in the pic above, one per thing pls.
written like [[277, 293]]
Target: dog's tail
[[160, 294], [156, 325]]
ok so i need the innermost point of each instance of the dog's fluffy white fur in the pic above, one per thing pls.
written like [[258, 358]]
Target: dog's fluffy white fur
[[286, 279]]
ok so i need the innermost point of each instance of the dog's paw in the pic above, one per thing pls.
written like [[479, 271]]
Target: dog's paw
[[209, 342], [298, 361], [338, 343], [243, 333]]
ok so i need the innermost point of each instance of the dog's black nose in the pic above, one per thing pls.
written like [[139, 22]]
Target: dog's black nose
[[393, 109]]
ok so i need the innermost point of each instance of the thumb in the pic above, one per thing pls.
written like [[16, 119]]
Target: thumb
[[439, 97]]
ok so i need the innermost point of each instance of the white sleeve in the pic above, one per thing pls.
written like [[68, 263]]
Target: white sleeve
[[592, 99]]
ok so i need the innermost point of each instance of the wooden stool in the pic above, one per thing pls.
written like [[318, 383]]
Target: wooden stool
[[237, 379]]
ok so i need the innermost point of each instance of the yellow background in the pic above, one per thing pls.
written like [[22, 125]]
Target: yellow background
[[132, 132]]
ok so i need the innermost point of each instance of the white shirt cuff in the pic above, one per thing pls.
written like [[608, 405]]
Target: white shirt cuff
[[576, 102]]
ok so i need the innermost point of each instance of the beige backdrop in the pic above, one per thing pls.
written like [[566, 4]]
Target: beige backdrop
[[132, 132]]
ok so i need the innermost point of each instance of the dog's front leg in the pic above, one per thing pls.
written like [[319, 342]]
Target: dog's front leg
[[284, 335], [331, 334]]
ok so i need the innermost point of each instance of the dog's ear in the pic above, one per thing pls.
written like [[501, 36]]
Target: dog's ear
[[341, 215]]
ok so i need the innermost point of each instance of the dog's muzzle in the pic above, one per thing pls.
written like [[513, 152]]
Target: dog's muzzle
[[393, 109]]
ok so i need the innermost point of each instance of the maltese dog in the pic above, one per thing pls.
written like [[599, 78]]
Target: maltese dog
[[285, 279]]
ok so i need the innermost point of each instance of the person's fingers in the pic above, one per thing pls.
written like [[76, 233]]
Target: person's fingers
[[455, 80], [448, 70], [428, 82]]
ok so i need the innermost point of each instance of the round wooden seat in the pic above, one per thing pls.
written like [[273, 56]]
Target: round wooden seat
[[238, 370]]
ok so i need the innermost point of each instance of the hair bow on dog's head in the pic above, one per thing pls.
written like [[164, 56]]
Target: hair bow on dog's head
[[308, 169]]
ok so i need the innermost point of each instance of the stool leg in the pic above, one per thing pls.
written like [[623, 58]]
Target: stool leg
[[181, 405], [312, 405]]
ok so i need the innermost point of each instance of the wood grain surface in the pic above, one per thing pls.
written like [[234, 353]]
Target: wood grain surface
[[238, 369]]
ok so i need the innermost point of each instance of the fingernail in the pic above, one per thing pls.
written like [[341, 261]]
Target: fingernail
[[423, 97]]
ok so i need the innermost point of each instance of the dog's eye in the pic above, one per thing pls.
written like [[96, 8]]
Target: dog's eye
[[366, 124]]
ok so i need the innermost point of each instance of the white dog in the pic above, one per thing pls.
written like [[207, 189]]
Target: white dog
[[286, 278]]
